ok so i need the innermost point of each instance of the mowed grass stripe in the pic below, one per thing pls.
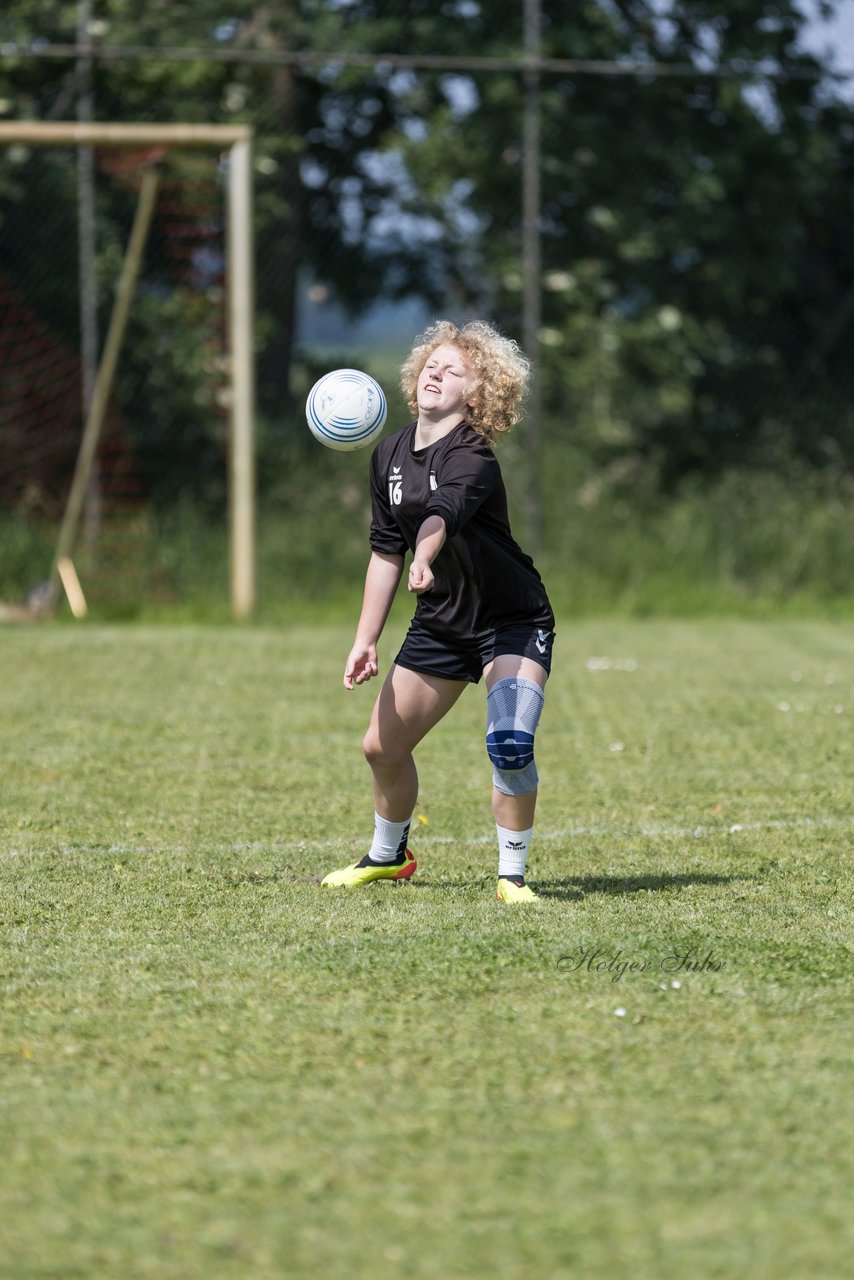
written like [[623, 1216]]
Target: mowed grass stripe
[[655, 831]]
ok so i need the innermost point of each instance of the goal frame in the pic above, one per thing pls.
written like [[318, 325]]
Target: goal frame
[[237, 140]]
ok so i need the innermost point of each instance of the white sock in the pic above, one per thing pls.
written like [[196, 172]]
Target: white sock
[[513, 849], [389, 839]]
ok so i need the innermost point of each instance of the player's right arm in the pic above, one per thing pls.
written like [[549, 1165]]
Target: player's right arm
[[381, 582]]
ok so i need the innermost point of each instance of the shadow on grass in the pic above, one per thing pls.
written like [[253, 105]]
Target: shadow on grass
[[574, 888]]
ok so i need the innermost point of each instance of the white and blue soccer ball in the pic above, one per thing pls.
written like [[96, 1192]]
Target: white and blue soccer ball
[[346, 409]]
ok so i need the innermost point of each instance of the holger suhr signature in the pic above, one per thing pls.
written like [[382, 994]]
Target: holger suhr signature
[[616, 964]]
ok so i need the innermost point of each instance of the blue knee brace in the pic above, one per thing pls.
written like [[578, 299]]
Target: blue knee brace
[[513, 708]]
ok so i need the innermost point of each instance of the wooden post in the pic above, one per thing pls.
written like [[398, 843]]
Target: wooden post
[[242, 452], [67, 133], [86, 248], [106, 373], [532, 271]]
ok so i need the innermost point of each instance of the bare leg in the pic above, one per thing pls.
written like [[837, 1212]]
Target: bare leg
[[409, 705], [516, 813]]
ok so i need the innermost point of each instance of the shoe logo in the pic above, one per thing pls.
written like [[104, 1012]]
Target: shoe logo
[[543, 642], [395, 487]]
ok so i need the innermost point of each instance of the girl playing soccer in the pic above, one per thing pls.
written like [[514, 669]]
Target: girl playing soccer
[[482, 610]]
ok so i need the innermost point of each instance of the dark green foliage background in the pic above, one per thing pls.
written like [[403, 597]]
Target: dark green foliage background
[[697, 281]]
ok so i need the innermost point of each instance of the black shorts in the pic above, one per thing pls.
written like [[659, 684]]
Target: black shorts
[[435, 655]]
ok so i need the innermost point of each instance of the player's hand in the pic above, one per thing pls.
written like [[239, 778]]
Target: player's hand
[[361, 665], [420, 577]]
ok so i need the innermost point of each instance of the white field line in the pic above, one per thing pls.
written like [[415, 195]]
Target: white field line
[[651, 830]]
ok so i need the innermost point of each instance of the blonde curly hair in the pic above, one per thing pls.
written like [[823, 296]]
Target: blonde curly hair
[[500, 367]]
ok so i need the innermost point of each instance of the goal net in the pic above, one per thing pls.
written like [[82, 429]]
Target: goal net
[[126, 388]]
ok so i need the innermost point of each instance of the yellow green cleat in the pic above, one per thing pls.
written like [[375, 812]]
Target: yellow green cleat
[[510, 891], [366, 872]]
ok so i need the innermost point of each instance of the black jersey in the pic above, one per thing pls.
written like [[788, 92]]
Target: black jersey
[[482, 576]]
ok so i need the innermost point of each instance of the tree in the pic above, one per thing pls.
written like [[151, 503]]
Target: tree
[[698, 280], [698, 268], [325, 200]]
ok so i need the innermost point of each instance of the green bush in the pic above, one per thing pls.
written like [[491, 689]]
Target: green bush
[[753, 542]]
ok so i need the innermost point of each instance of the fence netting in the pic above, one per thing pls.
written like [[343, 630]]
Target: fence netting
[[694, 298]]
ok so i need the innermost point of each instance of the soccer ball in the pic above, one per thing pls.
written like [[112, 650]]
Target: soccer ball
[[346, 409]]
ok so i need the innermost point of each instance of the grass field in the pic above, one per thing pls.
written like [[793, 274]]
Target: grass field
[[212, 1068]]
